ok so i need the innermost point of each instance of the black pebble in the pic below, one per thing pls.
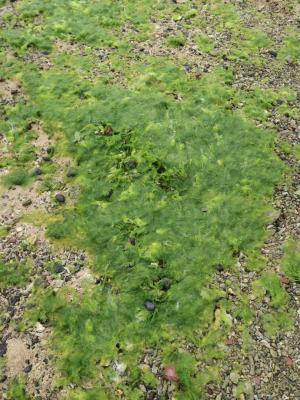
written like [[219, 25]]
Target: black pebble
[[3, 349], [149, 305], [37, 171], [60, 198], [273, 53], [59, 268], [27, 369], [220, 268], [71, 173], [166, 284], [46, 158], [50, 150]]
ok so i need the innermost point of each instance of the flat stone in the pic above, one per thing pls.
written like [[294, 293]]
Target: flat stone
[[60, 198], [149, 305]]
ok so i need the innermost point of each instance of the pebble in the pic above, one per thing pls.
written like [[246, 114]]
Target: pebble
[[39, 327], [234, 377], [58, 268], [273, 53], [149, 305], [60, 198], [3, 349], [26, 202], [27, 369], [170, 373], [37, 171], [166, 284]]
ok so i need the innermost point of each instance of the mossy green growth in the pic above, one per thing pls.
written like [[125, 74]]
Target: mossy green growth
[[141, 146], [151, 155], [204, 43], [270, 285], [277, 322], [17, 391], [249, 45], [176, 41], [291, 260], [18, 177], [13, 274], [291, 48]]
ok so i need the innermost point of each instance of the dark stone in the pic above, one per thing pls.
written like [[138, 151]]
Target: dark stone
[[149, 305], [273, 53], [131, 164], [67, 278], [108, 131], [3, 349], [60, 198], [71, 173], [37, 171], [58, 268], [27, 202], [166, 284], [50, 150], [220, 267], [27, 369], [14, 299], [46, 158], [3, 378], [77, 267]]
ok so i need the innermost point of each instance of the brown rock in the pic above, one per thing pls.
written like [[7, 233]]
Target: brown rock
[[170, 373]]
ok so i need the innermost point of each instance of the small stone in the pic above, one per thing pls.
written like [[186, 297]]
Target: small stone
[[166, 284], [285, 280], [273, 53], [170, 373], [288, 361], [39, 327], [120, 368], [58, 268], [257, 380], [37, 171], [27, 369], [108, 131], [46, 158], [50, 150], [60, 198], [231, 341], [27, 202], [3, 349], [234, 377], [149, 305]]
